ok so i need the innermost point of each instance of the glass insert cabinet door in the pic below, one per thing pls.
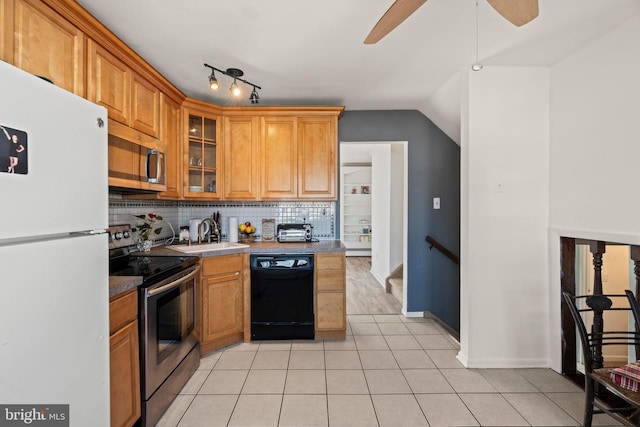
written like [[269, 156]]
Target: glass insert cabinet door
[[202, 156]]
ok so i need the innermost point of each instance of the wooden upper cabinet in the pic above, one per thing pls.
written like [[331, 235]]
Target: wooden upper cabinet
[[317, 145], [241, 135], [108, 82], [38, 40], [170, 143], [145, 103], [201, 153], [128, 97], [278, 157]]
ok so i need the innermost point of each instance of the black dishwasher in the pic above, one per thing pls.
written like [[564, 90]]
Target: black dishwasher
[[282, 297]]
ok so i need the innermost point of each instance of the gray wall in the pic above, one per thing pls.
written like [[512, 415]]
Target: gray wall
[[434, 171]]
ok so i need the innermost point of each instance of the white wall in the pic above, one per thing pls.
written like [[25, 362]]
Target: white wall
[[397, 196], [504, 199], [595, 126], [380, 210], [595, 130], [443, 108]]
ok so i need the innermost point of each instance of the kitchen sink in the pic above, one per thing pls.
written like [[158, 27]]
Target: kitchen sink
[[207, 247]]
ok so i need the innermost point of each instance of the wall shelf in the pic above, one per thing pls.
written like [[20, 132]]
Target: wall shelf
[[355, 210]]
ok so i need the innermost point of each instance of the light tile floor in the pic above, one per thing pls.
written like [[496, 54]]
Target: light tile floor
[[390, 371]]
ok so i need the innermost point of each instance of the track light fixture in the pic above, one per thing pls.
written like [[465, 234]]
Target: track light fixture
[[235, 89]]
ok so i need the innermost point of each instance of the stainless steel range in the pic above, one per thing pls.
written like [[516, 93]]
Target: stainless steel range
[[169, 349]]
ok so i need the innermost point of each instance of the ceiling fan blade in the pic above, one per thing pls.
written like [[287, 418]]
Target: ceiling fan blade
[[397, 13], [518, 12]]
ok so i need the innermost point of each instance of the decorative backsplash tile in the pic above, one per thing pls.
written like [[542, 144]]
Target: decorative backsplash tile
[[319, 214]]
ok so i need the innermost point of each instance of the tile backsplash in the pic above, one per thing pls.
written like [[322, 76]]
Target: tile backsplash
[[319, 214]]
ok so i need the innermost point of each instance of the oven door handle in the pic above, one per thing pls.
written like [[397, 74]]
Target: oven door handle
[[173, 284]]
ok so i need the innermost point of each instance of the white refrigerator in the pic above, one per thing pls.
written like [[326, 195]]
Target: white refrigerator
[[54, 296]]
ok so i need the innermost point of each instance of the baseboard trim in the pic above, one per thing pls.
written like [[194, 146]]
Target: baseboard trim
[[412, 313], [454, 334], [503, 363]]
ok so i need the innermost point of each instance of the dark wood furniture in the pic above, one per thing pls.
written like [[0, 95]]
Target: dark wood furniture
[[592, 308]]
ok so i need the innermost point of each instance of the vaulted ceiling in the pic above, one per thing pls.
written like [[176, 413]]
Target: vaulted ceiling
[[312, 52]]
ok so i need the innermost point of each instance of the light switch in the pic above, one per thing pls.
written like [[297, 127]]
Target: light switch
[[436, 203]]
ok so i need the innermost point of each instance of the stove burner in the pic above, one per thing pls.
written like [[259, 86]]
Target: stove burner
[[152, 268]]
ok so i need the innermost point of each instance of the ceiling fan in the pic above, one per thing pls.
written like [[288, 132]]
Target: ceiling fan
[[518, 12]]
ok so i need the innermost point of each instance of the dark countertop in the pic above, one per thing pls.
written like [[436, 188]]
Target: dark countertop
[[283, 248], [121, 284]]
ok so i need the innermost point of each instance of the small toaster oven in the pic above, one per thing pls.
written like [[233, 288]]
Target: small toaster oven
[[294, 232]]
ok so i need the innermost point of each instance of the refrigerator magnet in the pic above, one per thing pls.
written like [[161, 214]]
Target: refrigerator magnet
[[13, 151]]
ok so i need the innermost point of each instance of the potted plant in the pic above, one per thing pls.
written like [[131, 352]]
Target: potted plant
[[146, 229]]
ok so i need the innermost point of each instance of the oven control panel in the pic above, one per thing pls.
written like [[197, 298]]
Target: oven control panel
[[120, 236]]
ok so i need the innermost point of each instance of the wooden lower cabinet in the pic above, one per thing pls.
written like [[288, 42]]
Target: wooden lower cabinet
[[221, 301], [224, 299], [331, 292], [124, 360]]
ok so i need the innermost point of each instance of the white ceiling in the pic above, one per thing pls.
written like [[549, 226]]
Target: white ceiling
[[311, 52]]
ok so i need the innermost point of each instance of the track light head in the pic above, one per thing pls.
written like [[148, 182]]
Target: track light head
[[235, 89], [254, 98], [213, 82]]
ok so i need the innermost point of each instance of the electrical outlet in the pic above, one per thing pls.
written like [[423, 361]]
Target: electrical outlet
[[436, 203]]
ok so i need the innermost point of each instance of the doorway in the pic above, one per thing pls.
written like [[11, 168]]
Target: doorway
[[617, 277], [372, 215], [583, 264]]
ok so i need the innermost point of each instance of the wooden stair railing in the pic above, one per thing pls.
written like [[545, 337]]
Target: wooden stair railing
[[433, 243]]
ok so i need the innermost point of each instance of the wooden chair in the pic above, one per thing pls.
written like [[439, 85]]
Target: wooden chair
[[594, 306]]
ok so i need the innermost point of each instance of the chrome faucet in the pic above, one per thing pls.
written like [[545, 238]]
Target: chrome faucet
[[214, 230], [201, 231]]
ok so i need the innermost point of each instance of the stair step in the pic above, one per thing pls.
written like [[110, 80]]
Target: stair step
[[396, 284]]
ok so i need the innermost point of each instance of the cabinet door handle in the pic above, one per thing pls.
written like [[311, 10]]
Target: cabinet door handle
[[154, 158]]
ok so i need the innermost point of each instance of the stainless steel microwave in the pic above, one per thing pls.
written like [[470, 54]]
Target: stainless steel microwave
[[135, 162]]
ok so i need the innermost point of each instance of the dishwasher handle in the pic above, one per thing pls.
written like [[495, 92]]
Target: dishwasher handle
[[282, 262]]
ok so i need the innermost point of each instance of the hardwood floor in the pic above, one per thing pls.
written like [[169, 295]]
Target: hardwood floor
[[364, 294]]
